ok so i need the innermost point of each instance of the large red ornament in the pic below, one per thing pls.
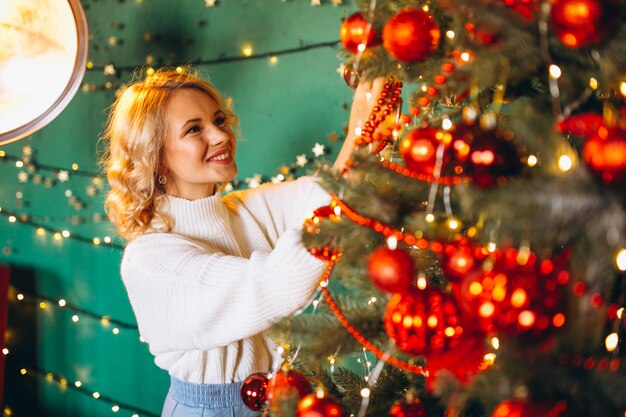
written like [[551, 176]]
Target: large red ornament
[[391, 270], [605, 154], [254, 391], [517, 294], [421, 147], [409, 407], [354, 31], [491, 157], [422, 322], [411, 35], [313, 406], [287, 383], [583, 23]]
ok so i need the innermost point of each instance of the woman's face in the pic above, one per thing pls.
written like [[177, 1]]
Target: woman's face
[[199, 148]]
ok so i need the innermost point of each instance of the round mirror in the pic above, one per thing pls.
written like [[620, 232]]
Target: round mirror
[[43, 52]]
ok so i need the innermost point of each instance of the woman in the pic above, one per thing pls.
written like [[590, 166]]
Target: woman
[[206, 274]]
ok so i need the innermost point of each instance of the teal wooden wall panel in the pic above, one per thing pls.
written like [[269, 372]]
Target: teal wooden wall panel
[[285, 108]]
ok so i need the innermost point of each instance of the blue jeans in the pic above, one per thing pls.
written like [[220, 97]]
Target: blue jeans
[[186, 399]]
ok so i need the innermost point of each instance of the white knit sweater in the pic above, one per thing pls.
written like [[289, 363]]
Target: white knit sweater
[[204, 293]]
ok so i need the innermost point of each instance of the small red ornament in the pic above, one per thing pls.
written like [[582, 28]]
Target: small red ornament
[[420, 147], [285, 384], [491, 158], [422, 322], [409, 407], [411, 35], [605, 154], [583, 23], [351, 75], [313, 406], [254, 391], [354, 31], [391, 270]]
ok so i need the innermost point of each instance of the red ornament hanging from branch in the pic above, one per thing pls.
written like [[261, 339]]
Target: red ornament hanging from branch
[[254, 391], [355, 31], [419, 149], [391, 270], [491, 157], [411, 35], [314, 406], [584, 23], [605, 154]]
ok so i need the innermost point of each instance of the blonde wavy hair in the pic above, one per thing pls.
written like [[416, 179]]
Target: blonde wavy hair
[[134, 138]]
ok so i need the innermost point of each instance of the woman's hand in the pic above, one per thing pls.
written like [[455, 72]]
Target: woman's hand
[[365, 98]]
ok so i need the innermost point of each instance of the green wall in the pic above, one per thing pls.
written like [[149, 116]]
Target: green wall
[[285, 108]]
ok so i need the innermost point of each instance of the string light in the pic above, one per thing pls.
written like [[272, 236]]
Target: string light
[[611, 342], [593, 83], [532, 160], [622, 88], [620, 260], [555, 72], [565, 163], [247, 51]]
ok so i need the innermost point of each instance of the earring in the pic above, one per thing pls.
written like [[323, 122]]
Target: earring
[[162, 179]]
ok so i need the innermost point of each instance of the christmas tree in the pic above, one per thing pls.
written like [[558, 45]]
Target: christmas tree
[[476, 243]]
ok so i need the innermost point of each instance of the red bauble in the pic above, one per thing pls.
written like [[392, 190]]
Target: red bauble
[[411, 35], [419, 149], [491, 157], [287, 383], [254, 391], [409, 407], [583, 23], [313, 406], [518, 294], [422, 322], [605, 154], [354, 32], [391, 270], [351, 75]]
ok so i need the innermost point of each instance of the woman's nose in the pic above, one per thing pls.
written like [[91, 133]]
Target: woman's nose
[[216, 135]]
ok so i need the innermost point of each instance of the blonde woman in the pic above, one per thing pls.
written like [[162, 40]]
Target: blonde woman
[[206, 274]]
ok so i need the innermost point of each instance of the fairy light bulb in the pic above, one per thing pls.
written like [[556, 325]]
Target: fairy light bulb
[[450, 34], [180, 70], [5, 351], [430, 217], [620, 260], [107, 239], [593, 83], [555, 72], [23, 371], [565, 163], [361, 47], [620, 312], [96, 241], [42, 305], [75, 318], [491, 247], [65, 233], [446, 124], [273, 59], [75, 166], [20, 297], [465, 56], [611, 342], [116, 330], [78, 384], [19, 164], [247, 50], [365, 392], [421, 281], [622, 88], [495, 342], [40, 231], [532, 160], [57, 236], [489, 359], [62, 303], [392, 242], [96, 395], [12, 219], [115, 408]]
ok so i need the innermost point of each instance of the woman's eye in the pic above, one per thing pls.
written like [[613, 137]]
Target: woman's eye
[[220, 121], [194, 129]]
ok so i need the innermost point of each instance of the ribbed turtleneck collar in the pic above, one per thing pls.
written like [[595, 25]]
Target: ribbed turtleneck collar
[[198, 219]]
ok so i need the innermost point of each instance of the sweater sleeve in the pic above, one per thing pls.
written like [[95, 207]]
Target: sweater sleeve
[[279, 207], [186, 297]]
